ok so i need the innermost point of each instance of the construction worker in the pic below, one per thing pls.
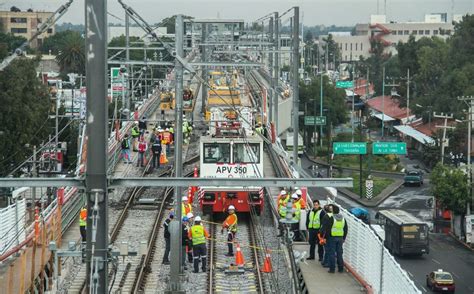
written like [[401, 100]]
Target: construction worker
[[301, 201], [230, 224], [167, 139], [190, 218], [167, 238], [185, 241], [156, 150], [322, 234], [295, 227], [335, 230], [142, 126], [125, 145], [185, 206], [259, 129], [198, 235], [313, 224], [83, 223], [142, 148], [282, 199], [135, 134]]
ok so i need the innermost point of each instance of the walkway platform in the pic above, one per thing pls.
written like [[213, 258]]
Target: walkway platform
[[318, 280]]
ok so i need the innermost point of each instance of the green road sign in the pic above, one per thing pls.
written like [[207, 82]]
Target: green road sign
[[389, 148], [314, 120], [349, 148], [344, 84]]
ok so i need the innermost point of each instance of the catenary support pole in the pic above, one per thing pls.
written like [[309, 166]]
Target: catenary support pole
[[96, 180], [176, 258], [276, 71], [127, 57], [270, 66], [295, 82], [203, 69]]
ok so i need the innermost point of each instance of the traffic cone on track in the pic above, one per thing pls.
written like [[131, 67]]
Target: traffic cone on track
[[267, 264], [239, 258]]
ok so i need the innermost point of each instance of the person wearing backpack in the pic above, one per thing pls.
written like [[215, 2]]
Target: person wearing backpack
[[125, 154]]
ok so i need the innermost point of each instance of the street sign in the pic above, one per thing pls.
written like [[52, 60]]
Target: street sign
[[389, 148], [349, 147], [314, 120], [344, 84], [117, 82]]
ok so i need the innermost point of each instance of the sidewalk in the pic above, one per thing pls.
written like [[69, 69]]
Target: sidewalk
[[318, 280]]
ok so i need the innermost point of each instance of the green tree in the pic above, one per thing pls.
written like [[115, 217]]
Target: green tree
[[333, 100], [71, 56], [449, 185], [8, 43], [24, 112]]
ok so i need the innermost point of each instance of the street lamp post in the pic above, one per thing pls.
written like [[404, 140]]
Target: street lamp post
[[320, 110], [383, 101]]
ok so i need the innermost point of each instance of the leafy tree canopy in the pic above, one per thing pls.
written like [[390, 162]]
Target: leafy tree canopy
[[449, 185]]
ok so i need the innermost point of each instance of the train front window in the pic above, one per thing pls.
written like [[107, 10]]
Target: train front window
[[216, 153], [246, 153]]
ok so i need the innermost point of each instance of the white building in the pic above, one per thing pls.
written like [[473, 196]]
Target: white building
[[390, 33]]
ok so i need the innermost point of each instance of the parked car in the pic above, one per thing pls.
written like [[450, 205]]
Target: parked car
[[440, 281], [413, 177]]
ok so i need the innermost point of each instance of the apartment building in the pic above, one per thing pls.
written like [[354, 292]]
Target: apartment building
[[25, 24]]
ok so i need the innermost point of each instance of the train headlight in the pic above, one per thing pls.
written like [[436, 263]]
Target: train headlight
[[254, 196]]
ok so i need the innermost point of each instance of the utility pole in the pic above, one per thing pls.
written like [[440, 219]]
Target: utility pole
[[96, 177], [408, 95], [35, 174], [383, 100], [469, 100], [353, 107], [295, 68], [444, 127], [276, 71], [176, 236], [320, 112]]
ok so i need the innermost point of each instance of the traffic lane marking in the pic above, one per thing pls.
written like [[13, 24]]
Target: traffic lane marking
[[424, 289], [411, 275], [435, 261], [454, 274]]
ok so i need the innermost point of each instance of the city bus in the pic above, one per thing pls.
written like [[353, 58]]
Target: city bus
[[404, 233]]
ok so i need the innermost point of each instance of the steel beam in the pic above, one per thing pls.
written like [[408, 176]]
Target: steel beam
[[182, 182], [295, 80], [231, 182], [169, 63]]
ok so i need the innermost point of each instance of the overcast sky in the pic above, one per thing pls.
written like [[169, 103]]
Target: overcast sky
[[327, 12]]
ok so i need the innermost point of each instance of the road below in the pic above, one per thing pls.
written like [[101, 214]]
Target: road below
[[445, 252]]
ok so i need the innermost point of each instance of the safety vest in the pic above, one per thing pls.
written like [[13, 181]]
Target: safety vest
[[302, 203], [142, 147], [83, 217], [282, 200], [259, 130], [232, 227], [197, 234], [135, 131], [314, 219], [337, 229], [297, 212], [185, 209], [166, 137]]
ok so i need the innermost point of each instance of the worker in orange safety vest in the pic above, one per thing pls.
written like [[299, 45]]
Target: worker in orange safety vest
[[186, 207], [230, 224], [83, 223]]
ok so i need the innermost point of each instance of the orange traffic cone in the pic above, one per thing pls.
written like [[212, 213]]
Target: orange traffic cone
[[267, 265], [239, 258]]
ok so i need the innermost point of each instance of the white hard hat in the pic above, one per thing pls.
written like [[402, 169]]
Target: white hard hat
[[189, 215], [294, 196], [184, 198], [299, 192], [167, 129], [283, 192], [231, 207], [136, 122], [197, 219]]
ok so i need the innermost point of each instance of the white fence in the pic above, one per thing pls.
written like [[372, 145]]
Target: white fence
[[12, 225], [366, 254]]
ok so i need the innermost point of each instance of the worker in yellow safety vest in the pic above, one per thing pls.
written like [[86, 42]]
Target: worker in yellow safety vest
[[336, 231], [83, 223], [282, 199], [198, 235], [230, 224], [186, 207]]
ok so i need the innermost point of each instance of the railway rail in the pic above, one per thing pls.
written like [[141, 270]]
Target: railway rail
[[223, 275]]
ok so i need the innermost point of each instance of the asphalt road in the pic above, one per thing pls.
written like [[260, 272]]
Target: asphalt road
[[445, 252]]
